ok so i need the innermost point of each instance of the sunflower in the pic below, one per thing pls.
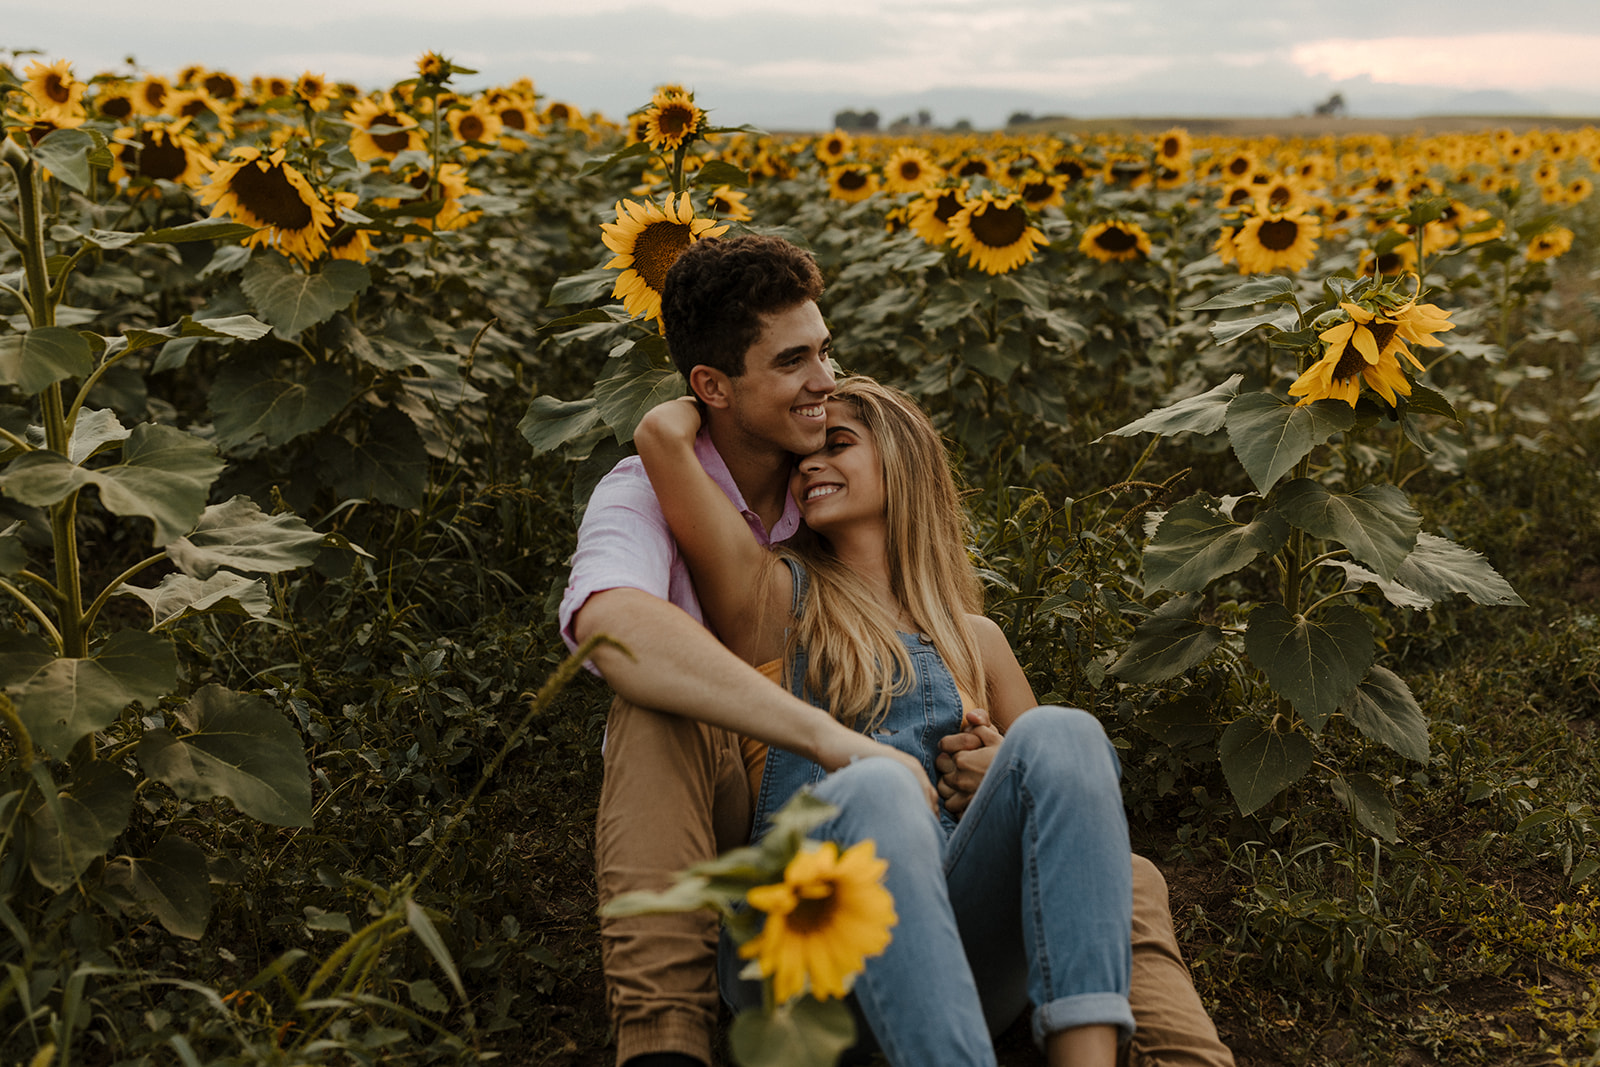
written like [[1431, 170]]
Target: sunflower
[[272, 88], [994, 233], [54, 88], [1071, 168], [1040, 190], [221, 85], [347, 240], [1548, 245], [432, 67], [517, 116], [1578, 190], [1125, 170], [197, 107], [1115, 242], [834, 147], [150, 95], [930, 214], [671, 120], [1237, 197], [1366, 346], [1281, 195], [726, 202], [1266, 242], [382, 129], [114, 101], [1239, 166], [157, 150], [452, 186], [1224, 248], [566, 115], [910, 170], [1398, 260], [315, 91], [647, 240], [266, 192], [477, 124], [973, 167], [1172, 148], [851, 182], [828, 915]]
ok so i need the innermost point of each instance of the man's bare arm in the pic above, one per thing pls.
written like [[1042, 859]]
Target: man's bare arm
[[678, 666]]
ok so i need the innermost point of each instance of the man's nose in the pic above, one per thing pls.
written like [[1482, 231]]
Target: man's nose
[[822, 380]]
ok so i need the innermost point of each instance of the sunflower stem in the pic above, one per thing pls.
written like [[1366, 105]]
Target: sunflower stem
[[678, 156]]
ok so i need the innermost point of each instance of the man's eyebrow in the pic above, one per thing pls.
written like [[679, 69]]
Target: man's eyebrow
[[799, 350]]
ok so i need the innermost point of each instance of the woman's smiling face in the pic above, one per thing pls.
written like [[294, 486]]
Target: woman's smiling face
[[842, 482]]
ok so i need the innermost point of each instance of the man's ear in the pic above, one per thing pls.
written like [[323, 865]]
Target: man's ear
[[713, 387]]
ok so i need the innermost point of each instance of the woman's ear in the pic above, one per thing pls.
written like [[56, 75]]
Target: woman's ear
[[712, 386]]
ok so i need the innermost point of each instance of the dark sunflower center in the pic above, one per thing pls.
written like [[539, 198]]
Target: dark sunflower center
[[812, 914], [116, 107], [1116, 239], [560, 113], [1171, 147], [1238, 166], [1383, 185], [1072, 168], [720, 206], [1000, 227], [1280, 195], [56, 89], [159, 157], [834, 147], [471, 127], [1238, 196], [1390, 263], [220, 86], [851, 180], [675, 120], [194, 108], [1038, 192], [388, 142], [513, 118], [946, 207], [910, 170], [1382, 332], [974, 167], [656, 249], [154, 93], [1351, 362], [265, 192], [1279, 235]]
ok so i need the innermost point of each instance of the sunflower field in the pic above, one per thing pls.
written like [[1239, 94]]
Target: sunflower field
[[1281, 458]]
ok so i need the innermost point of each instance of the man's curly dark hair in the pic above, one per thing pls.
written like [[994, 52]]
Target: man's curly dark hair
[[715, 294]]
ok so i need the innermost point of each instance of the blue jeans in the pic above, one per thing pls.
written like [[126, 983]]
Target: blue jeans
[[1029, 899]]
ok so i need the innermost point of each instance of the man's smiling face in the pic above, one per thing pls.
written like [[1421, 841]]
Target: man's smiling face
[[778, 400]]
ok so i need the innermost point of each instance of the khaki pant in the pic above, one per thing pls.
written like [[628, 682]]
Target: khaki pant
[[675, 794]]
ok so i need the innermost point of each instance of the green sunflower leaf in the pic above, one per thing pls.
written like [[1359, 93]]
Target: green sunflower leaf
[[1196, 544], [1200, 414], [229, 328], [95, 431], [1362, 794], [1168, 642], [551, 423], [582, 288], [634, 385], [239, 535], [1279, 319], [1259, 763], [1383, 709], [41, 357], [720, 172], [1265, 288], [67, 155], [1395, 593], [249, 398], [389, 464], [13, 553], [204, 230], [177, 597], [1425, 401], [806, 1032], [1376, 523], [1437, 568], [172, 882], [165, 475], [235, 746], [76, 828], [1315, 663], [1270, 435], [294, 300], [60, 700]]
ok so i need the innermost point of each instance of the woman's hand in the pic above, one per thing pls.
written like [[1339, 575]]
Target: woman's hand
[[676, 421], [964, 759]]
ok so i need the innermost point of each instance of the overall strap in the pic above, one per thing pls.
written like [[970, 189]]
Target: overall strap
[[801, 581]]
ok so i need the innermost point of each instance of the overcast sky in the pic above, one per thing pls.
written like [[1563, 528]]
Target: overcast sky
[[792, 64]]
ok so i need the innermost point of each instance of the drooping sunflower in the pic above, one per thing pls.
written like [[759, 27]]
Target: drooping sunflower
[[851, 182], [1125, 170], [932, 211], [726, 202], [266, 192], [1366, 347], [1115, 242], [53, 87], [201, 112], [671, 119], [160, 151], [647, 240], [995, 234], [1266, 242], [382, 129], [824, 920], [833, 148], [911, 170], [1550, 244]]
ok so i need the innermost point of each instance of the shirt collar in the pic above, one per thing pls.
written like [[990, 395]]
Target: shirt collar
[[717, 467]]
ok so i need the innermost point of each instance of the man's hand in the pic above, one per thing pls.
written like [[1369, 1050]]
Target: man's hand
[[843, 745], [964, 759]]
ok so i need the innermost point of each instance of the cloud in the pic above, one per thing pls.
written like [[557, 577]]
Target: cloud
[[1515, 61]]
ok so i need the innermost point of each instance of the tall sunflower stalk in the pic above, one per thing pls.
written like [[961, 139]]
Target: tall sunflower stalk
[[806, 915], [1330, 530]]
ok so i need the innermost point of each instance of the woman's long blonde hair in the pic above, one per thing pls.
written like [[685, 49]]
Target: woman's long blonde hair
[[855, 655]]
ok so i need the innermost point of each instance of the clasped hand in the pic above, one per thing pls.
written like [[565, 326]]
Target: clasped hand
[[964, 759]]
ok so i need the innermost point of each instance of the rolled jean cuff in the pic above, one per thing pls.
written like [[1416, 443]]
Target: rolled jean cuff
[[1083, 1009]]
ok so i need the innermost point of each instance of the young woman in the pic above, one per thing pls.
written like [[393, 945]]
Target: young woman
[[1019, 888]]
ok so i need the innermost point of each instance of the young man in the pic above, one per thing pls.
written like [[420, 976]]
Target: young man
[[742, 324]]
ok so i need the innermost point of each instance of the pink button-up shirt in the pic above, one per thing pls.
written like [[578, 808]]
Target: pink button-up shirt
[[624, 542]]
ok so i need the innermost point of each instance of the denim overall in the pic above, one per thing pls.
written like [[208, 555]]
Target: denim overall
[[1027, 898]]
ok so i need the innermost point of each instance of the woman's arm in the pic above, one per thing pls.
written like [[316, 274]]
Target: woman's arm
[[730, 567]]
